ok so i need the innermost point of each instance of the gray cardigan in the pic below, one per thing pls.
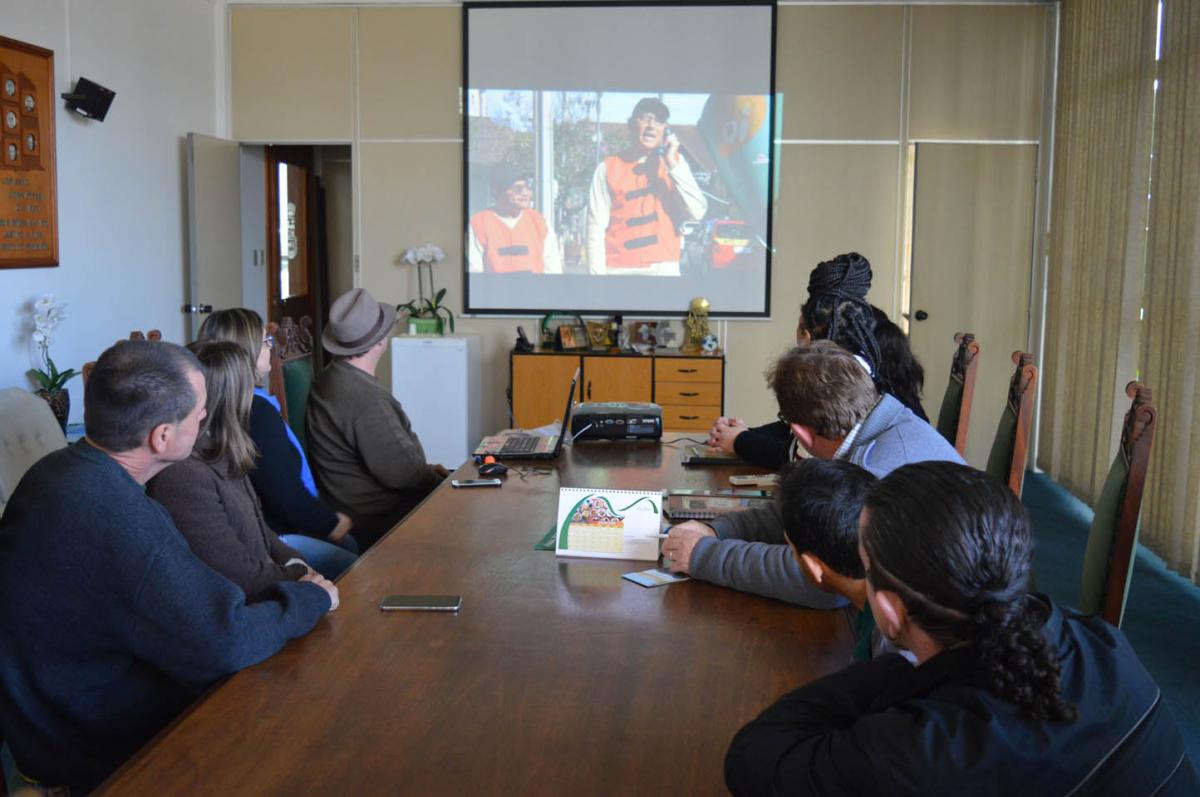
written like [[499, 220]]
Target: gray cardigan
[[750, 552], [367, 460], [222, 521]]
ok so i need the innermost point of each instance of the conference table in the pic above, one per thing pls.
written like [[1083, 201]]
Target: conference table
[[556, 677]]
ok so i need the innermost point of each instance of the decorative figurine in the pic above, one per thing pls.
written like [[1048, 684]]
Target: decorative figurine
[[697, 324]]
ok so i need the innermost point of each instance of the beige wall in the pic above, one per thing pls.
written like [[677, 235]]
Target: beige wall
[[857, 83]]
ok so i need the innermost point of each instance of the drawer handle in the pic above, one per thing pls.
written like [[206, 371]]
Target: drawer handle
[[687, 370], [688, 394], [689, 417]]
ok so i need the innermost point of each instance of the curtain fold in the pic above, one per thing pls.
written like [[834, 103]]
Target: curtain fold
[[1097, 237], [1170, 512]]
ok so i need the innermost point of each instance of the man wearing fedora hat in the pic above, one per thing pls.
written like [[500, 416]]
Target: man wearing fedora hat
[[366, 458]]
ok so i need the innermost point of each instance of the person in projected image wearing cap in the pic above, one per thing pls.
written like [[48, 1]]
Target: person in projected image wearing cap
[[364, 454], [511, 235], [639, 199]]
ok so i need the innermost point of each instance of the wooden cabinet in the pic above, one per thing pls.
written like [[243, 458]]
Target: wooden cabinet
[[690, 389]]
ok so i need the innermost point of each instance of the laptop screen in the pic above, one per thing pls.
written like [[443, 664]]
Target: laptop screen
[[562, 432]]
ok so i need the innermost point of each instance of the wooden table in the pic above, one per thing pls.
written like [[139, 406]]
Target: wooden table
[[557, 677]]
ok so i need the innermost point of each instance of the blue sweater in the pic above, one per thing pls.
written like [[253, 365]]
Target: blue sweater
[[109, 625], [750, 552]]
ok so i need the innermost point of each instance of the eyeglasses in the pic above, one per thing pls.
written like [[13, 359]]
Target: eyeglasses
[[649, 119], [269, 341]]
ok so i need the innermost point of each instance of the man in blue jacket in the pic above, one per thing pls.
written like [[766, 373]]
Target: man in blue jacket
[[831, 405], [109, 625]]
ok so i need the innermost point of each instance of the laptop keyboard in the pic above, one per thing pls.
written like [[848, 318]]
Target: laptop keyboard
[[519, 445]]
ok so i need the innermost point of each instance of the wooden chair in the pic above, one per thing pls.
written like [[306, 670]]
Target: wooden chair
[[954, 418], [1112, 541], [292, 370], [136, 334], [1006, 461]]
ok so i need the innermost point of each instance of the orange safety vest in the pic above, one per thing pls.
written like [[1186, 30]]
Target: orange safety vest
[[506, 250], [640, 229]]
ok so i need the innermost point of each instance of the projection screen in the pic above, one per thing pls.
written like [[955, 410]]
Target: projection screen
[[618, 157]]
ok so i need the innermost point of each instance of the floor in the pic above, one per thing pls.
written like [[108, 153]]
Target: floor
[[1162, 615]]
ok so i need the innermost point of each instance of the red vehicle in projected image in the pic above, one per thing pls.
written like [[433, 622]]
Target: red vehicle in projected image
[[729, 239]]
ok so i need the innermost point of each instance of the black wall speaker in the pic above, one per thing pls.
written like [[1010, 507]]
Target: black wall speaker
[[89, 99]]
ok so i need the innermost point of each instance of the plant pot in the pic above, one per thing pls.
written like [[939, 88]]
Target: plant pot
[[424, 326], [60, 405]]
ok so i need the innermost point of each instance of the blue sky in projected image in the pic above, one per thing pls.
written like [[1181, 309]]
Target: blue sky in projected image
[[516, 106]]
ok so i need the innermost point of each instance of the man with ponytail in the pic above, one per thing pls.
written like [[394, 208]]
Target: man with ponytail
[[1010, 694], [830, 406]]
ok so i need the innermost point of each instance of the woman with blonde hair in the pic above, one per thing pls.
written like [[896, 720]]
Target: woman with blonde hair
[[209, 496], [281, 474]]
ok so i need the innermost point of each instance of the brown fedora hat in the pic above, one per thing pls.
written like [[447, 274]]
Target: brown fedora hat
[[356, 323]]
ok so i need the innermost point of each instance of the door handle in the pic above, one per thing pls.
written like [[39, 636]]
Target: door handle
[[687, 370], [689, 395], [921, 315], [197, 308], [589, 390], [689, 417]]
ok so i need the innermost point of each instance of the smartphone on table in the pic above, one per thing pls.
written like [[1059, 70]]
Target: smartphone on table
[[421, 603], [475, 482]]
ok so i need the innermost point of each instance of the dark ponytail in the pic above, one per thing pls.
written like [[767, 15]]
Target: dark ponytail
[[837, 309], [956, 546]]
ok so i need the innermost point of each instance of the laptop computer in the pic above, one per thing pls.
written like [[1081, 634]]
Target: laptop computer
[[524, 445]]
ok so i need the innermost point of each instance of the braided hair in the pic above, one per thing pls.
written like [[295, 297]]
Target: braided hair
[[956, 546], [837, 309]]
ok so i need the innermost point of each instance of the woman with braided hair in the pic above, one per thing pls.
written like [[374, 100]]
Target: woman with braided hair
[[836, 310], [1011, 694]]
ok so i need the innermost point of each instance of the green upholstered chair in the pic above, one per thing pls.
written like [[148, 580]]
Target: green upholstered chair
[[1006, 461], [1108, 562], [954, 418], [292, 370]]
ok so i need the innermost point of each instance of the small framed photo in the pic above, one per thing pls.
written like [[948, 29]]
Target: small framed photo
[[598, 334], [572, 337]]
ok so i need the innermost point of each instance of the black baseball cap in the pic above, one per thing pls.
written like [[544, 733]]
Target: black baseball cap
[[651, 105], [503, 175]]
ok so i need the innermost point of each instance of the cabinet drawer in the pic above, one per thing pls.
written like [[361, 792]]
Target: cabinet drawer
[[677, 418], [671, 369], [690, 393]]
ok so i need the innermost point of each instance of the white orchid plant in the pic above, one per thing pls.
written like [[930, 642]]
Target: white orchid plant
[[46, 315], [425, 257]]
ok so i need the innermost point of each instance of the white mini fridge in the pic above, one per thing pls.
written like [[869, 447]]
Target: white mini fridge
[[437, 380]]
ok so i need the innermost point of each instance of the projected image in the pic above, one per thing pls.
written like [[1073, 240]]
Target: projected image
[[616, 183]]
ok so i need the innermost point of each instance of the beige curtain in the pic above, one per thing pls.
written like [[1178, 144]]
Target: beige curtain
[[1171, 339], [1097, 234]]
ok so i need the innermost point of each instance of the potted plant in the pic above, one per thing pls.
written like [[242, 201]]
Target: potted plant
[[426, 316], [51, 382]]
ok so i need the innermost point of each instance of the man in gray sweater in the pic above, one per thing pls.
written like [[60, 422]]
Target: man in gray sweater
[[365, 455], [829, 401]]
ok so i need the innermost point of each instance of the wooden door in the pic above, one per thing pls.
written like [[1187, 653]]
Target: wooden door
[[292, 259], [617, 379], [539, 387], [214, 263], [972, 258]]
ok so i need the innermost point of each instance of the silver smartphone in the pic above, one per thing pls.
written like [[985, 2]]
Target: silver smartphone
[[421, 603], [475, 482]]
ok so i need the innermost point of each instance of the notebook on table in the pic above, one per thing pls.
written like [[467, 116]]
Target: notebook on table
[[527, 445]]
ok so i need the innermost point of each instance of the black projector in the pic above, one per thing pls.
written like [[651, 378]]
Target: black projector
[[616, 420]]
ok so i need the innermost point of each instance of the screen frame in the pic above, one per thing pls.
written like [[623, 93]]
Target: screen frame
[[772, 155]]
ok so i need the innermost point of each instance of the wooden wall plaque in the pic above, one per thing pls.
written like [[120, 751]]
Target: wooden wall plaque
[[28, 182]]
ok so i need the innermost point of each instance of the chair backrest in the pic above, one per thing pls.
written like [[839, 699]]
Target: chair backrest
[[954, 418], [292, 370], [136, 334], [28, 432], [1010, 448], [1112, 541]]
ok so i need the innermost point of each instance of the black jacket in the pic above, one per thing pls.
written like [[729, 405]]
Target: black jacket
[[885, 727]]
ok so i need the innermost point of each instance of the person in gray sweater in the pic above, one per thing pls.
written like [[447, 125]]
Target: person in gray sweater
[[364, 453], [832, 408]]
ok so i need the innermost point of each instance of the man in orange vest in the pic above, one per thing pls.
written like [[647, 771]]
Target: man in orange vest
[[639, 199], [511, 235]]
